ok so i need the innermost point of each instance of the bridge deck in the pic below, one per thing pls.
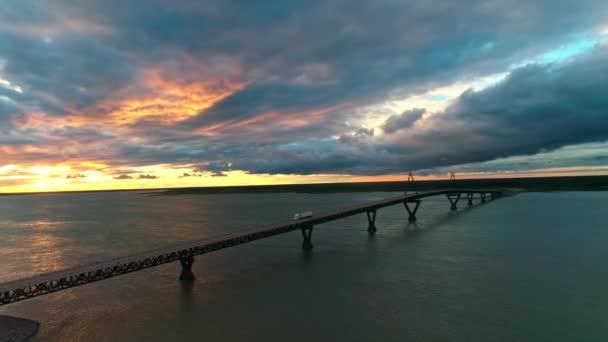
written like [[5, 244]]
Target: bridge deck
[[55, 281]]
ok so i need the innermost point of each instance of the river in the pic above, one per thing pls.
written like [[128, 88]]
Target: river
[[525, 268]]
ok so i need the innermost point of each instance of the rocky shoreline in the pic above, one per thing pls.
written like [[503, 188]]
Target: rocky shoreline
[[14, 329]]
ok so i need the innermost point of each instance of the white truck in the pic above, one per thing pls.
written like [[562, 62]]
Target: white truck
[[303, 215]]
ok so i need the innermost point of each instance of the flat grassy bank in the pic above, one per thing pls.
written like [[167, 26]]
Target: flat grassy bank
[[540, 184]]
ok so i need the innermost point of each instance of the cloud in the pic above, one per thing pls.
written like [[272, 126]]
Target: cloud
[[12, 182], [581, 157], [15, 173], [536, 108], [214, 166], [146, 176], [194, 173], [372, 50], [404, 120], [75, 176], [192, 84], [69, 74], [361, 134], [214, 169]]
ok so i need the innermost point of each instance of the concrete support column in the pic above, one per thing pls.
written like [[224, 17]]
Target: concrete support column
[[453, 198], [371, 219], [186, 263], [307, 234], [412, 211]]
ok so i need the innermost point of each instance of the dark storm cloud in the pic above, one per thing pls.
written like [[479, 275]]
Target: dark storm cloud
[[377, 50], [69, 72], [59, 66], [567, 159], [537, 108], [402, 121]]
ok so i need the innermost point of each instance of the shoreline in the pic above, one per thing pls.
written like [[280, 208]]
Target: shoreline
[[15, 329], [526, 184], [539, 184]]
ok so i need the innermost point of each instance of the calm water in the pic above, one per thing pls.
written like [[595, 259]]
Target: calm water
[[526, 268]]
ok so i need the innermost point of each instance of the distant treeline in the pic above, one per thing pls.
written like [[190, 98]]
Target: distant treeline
[[582, 183]]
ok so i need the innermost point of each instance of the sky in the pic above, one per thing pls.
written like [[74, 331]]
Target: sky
[[153, 94]]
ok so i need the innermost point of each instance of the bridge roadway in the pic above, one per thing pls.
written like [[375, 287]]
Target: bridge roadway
[[59, 280]]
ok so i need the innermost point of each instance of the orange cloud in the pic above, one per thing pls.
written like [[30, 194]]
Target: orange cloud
[[43, 121], [160, 94], [168, 100]]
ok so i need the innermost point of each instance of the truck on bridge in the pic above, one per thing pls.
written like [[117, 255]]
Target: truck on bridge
[[302, 215]]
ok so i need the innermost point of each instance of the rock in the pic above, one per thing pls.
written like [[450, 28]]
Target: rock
[[13, 329]]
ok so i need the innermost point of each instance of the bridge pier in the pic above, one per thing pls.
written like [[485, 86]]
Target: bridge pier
[[187, 274], [307, 234], [453, 198], [371, 219], [483, 196], [470, 199], [412, 212]]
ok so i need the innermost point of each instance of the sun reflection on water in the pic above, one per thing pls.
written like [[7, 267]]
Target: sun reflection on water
[[46, 244]]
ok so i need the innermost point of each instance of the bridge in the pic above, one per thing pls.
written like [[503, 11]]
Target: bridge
[[18, 290]]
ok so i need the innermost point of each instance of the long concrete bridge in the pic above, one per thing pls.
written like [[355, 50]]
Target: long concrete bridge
[[184, 253]]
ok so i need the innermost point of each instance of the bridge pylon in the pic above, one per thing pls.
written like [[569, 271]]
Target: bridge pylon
[[453, 198], [470, 199], [307, 235], [410, 177], [412, 211], [187, 274], [371, 219]]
